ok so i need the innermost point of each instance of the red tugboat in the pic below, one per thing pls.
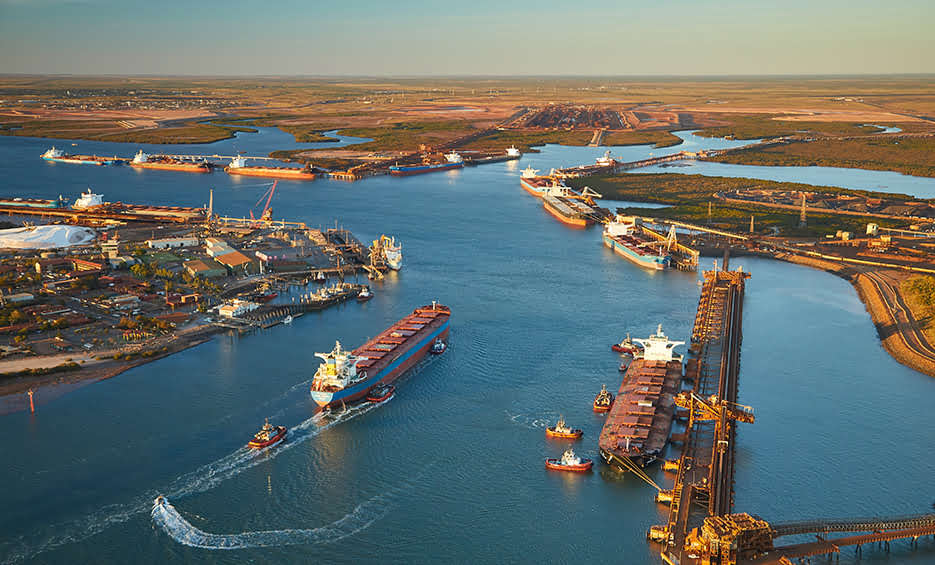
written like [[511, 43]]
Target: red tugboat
[[569, 462], [364, 295], [626, 346], [380, 393], [560, 430], [604, 400], [267, 436]]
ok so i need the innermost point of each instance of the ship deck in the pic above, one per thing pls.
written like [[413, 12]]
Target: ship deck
[[638, 424], [388, 345]]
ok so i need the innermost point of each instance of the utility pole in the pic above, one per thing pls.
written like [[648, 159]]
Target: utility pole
[[803, 221], [751, 224], [709, 211]]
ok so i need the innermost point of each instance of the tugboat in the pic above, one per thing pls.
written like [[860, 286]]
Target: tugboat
[[364, 294], [604, 400], [560, 430], [380, 393], [268, 435], [438, 347], [320, 277], [159, 501], [626, 346], [569, 462]]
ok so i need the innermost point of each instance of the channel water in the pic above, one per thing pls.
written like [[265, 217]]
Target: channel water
[[450, 470]]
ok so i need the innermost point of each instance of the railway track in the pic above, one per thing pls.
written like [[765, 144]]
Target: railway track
[[905, 324]]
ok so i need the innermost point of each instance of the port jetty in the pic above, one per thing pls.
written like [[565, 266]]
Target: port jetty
[[91, 298]]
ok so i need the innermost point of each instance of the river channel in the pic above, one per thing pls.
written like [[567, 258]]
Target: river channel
[[451, 469]]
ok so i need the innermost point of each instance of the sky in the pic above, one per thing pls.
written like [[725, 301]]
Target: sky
[[474, 37]]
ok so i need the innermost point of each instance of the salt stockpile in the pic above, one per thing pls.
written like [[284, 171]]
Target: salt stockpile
[[45, 237]]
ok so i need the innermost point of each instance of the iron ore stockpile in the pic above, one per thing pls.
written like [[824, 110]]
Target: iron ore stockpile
[[639, 422]]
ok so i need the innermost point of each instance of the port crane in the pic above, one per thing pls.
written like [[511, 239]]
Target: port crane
[[267, 214]]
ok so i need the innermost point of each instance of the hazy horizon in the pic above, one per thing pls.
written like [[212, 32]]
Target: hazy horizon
[[416, 39]]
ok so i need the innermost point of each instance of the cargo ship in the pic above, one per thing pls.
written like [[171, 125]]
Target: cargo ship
[[33, 203], [406, 170], [392, 252], [533, 183], [238, 166], [640, 419], [143, 161], [346, 376], [572, 208], [59, 156], [625, 237]]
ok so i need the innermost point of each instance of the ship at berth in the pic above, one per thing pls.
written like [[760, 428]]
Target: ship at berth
[[640, 419], [345, 376], [625, 237]]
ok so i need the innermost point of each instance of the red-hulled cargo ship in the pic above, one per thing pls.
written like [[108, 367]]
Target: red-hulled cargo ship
[[640, 419], [348, 376]]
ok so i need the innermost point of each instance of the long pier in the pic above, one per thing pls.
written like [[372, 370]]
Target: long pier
[[704, 484]]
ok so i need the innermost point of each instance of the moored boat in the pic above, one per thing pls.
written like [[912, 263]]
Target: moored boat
[[569, 462], [346, 376], [626, 346], [406, 170], [59, 156], [268, 435], [562, 431], [320, 277], [364, 295], [380, 393], [625, 238], [238, 166], [604, 400], [162, 162], [392, 251]]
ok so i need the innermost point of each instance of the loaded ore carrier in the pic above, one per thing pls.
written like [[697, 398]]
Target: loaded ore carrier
[[346, 376], [639, 422]]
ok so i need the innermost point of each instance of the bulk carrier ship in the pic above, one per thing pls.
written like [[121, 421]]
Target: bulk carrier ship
[[454, 161], [162, 162], [58, 156], [638, 424], [573, 208], [625, 237], [346, 376], [238, 166]]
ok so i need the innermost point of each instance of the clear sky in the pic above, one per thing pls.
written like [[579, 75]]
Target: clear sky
[[503, 37]]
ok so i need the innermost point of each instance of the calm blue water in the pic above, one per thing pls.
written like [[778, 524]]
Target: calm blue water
[[450, 470]]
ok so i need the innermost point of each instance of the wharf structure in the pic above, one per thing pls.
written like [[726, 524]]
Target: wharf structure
[[705, 470]]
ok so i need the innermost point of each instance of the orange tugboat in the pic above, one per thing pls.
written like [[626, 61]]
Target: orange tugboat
[[569, 462], [380, 393], [268, 435], [560, 430], [604, 400], [626, 346]]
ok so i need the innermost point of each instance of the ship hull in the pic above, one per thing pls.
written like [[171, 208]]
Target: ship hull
[[531, 188], [184, 167], [388, 374], [573, 221], [418, 170], [31, 203], [76, 161], [649, 261], [276, 173]]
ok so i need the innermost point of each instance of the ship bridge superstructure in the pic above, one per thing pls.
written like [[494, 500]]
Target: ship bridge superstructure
[[338, 370], [658, 347]]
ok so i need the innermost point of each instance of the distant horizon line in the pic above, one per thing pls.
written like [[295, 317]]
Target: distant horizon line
[[468, 76]]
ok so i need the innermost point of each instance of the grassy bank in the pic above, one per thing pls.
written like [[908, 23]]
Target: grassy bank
[[108, 130], [910, 156], [525, 140], [746, 126], [658, 138], [407, 136], [919, 292], [689, 195]]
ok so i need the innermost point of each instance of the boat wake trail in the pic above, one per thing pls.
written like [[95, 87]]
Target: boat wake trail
[[533, 422], [181, 530], [200, 480]]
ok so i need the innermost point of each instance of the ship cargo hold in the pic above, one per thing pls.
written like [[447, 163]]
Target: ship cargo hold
[[640, 419], [165, 163], [238, 166], [406, 170], [626, 239], [344, 376]]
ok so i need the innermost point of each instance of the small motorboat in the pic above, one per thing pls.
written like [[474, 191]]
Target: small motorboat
[[320, 277], [569, 462], [560, 430], [364, 295], [380, 393], [268, 435], [626, 346], [287, 319], [438, 347], [604, 400], [623, 367], [264, 298], [159, 501]]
